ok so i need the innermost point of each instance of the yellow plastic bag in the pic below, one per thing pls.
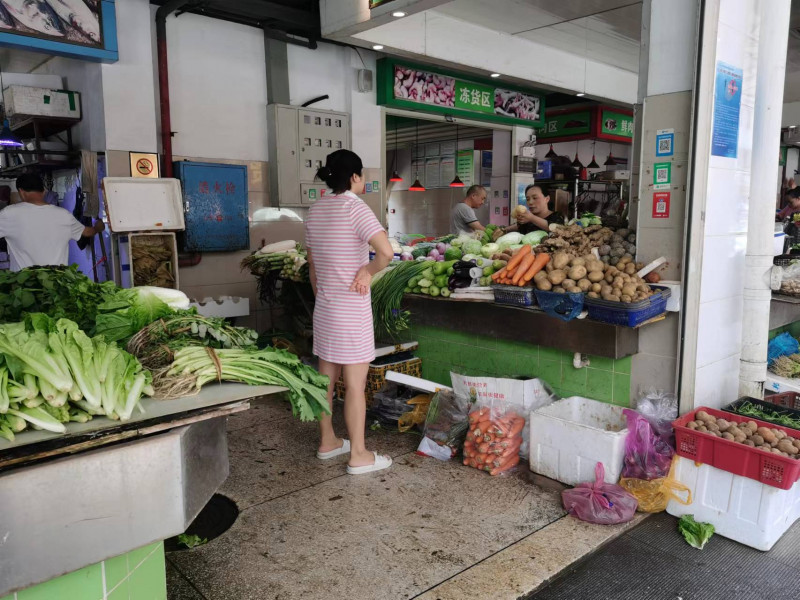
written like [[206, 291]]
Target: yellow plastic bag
[[654, 495], [417, 415]]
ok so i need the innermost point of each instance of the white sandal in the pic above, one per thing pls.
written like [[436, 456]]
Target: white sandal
[[381, 463], [345, 449]]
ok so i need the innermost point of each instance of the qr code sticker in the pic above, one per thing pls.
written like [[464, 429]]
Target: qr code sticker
[[664, 145], [661, 175], [661, 207]]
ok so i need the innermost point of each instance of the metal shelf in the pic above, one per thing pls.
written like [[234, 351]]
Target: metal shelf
[[41, 127], [73, 162], [784, 310]]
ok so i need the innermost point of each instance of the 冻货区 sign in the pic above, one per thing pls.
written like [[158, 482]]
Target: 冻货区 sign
[[414, 87]]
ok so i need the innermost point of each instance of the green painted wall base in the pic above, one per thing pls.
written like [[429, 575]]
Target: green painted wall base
[[138, 575], [445, 350]]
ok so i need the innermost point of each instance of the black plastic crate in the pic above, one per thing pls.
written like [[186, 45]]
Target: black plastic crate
[[768, 408]]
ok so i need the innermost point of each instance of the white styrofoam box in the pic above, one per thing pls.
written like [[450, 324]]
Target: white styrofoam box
[[780, 238], [141, 204], [777, 384], [742, 509], [416, 383], [674, 301], [224, 306], [41, 102], [570, 436]]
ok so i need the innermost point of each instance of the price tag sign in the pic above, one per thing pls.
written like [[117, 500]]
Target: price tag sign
[[661, 205]]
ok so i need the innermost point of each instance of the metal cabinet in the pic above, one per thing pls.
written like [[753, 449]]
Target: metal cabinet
[[216, 206], [300, 140]]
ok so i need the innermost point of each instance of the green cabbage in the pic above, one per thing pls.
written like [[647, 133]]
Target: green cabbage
[[471, 247], [534, 238], [490, 249]]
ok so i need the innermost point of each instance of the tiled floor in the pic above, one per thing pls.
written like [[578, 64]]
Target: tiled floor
[[307, 530]]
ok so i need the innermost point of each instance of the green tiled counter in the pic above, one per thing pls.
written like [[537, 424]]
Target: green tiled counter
[[443, 350], [137, 575]]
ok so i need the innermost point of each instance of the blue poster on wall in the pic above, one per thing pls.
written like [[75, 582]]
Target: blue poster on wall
[[727, 102]]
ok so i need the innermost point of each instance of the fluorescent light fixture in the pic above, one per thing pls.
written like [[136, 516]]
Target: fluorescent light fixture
[[398, 14], [377, 47], [495, 75], [7, 138], [580, 95]]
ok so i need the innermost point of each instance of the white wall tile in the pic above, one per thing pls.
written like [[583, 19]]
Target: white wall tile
[[717, 384], [741, 15], [723, 267], [719, 331], [728, 201]]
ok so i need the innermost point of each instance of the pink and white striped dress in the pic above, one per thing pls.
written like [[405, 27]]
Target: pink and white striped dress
[[338, 229]]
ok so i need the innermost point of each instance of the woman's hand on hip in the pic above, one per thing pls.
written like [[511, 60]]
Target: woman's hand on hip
[[362, 281]]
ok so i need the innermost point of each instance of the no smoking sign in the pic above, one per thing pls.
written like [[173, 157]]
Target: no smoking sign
[[144, 165]]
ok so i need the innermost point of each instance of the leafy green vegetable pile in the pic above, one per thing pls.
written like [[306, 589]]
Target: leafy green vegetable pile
[[155, 344], [387, 290], [777, 416], [52, 373], [696, 534], [193, 367]]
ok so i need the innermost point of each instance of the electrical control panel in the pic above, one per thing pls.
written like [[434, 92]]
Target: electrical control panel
[[300, 140]]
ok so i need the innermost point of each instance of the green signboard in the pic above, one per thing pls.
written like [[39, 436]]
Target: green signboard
[[616, 124], [414, 87], [567, 124]]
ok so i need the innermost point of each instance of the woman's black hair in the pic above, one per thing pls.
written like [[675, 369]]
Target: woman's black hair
[[545, 189], [339, 167]]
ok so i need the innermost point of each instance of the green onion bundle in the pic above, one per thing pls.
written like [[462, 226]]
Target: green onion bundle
[[387, 289]]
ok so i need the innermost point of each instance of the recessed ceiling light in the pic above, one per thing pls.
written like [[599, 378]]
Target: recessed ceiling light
[[377, 47], [495, 75], [580, 95], [398, 14]]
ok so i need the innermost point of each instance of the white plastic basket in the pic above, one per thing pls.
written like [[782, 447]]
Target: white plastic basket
[[570, 436], [742, 509]]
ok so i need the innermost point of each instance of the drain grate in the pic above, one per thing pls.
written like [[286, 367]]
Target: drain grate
[[215, 519]]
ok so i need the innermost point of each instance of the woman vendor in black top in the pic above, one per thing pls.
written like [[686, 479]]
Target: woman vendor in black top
[[538, 216]]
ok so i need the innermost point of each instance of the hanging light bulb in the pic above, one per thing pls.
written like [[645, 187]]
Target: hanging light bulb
[[577, 163], [610, 161], [416, 186], [457, 183], [551, 153], [395, 175], [593, 164]]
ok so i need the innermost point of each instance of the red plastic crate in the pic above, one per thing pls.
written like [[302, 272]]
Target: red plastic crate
[[786, 399], [778, 471]]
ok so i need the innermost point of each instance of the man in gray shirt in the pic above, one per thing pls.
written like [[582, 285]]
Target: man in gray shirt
[[463, 217]]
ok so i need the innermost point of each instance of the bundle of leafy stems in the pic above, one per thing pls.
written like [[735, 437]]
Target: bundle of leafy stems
[[387, 295]]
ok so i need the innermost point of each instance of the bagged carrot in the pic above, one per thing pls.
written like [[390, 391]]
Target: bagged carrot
[[494, 438]]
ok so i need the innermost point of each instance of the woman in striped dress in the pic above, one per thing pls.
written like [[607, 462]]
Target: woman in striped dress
[[339, 230]]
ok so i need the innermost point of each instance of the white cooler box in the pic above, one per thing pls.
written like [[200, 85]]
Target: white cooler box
[[742, 509], [570, 436]]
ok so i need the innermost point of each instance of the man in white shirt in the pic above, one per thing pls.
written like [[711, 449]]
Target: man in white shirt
[[463, 218], [38, 233]]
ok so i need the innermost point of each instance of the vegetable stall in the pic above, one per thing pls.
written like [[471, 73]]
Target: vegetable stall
[[126, 391]]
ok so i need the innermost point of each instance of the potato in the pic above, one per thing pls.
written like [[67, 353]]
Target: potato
[[606, 289], [609, 277], [692, 425], [751, 425], [727, 436], [544, 285], [776, 451], [597, 288], [584, 285], [594, 266], [578, 262], [549, 267], [764, 448], [780, 434], [557, 276], [618, 282], [561, 260], [768, 436], [704, 416], [630, 268], [734, 430], [568, 284], [739, 439], [595, 276], [629, 289], [757, 440], [699, 422], [626, 258], [716, 433], [577, 272], [539, 276], [796, 443], [559, 290], [625, 298], [713, 427], [703, 428], [593, 295], [749, 443], [787, 446]]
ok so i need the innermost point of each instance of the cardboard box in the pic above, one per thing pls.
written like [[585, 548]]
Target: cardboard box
[[21, 101]]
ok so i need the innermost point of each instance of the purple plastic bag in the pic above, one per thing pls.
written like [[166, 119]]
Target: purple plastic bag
[[647, 455], [599, 502]]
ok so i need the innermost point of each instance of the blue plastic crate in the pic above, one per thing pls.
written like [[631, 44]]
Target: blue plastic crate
[[513, 295], [629, 315], [564, 306]]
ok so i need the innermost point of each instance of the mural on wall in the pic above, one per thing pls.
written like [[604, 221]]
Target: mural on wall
[[72, 21]]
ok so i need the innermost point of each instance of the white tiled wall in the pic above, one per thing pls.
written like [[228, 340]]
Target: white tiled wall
[[719, 332]]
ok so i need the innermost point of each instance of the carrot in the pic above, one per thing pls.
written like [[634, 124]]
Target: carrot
[[512, 449], [469, 444], [516, 429], [498, 274], [509, 464], [526, 263], [466, 462], [517, 258], [481, 458], [483, 448], [539, 263]]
